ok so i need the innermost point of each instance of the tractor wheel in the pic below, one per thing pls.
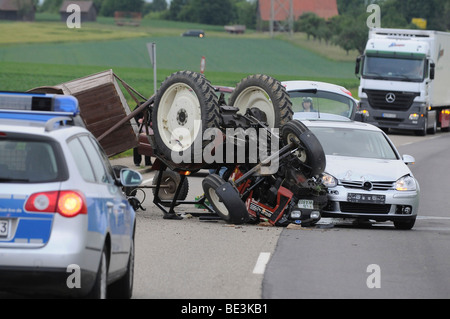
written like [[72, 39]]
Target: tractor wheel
[[225, 200], [310, 155], [185, 107], [266, 94], [172, 180]]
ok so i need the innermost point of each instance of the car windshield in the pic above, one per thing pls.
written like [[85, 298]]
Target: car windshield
[[323, 102], [394, 68], [28, 161], [354, 143]]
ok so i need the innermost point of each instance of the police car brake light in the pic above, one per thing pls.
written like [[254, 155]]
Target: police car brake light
[[33, 102], [66, 203]]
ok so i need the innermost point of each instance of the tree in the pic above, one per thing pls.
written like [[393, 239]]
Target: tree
[[110, 6], [175, 8]]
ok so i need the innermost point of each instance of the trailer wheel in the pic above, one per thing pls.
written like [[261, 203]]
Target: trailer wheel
[[185, 107], [172, 180], [266, 94], [311, 157], [225, 200]]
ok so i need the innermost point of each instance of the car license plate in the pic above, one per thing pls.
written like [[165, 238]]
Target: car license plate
[[389, 115], [4, 228], [366, 199], [306, 204]]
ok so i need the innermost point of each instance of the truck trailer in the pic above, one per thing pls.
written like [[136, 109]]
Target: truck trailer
[[405, 80]]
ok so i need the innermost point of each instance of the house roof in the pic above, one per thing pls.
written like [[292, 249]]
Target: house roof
[[323, 8], [85, 6], [10, 5]]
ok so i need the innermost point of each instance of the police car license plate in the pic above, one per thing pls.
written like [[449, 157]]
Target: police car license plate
[[306, 204], [4, 227]]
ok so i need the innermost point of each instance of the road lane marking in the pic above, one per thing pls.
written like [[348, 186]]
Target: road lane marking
[[432, 217], [261, 263]]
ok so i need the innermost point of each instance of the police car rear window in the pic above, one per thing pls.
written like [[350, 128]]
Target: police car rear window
[[29, 161]]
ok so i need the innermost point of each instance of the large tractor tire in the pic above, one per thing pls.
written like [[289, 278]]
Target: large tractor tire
[[185, 107], [266, 94], [225, 200], [311, 156]]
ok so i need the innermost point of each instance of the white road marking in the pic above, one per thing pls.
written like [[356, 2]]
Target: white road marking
[[261, 263]]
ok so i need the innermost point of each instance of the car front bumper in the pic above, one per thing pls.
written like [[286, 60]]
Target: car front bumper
[[397, 205]]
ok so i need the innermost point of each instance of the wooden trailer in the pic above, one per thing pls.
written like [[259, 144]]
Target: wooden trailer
[[104, 109]]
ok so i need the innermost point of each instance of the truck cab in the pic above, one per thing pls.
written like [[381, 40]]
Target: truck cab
[[397, 81]]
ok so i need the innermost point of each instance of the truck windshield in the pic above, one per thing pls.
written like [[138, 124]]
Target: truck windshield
[[401, 69]]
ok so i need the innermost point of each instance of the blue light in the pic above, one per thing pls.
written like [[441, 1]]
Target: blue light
[[36, 104]]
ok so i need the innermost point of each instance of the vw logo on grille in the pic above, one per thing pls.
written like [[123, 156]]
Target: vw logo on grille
[[368, 186], [390, 97]]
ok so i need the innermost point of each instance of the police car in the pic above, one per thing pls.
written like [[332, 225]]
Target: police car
[[66, 227]]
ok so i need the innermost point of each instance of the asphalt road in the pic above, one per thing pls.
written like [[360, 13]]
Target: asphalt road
[[374, 261], [193, 258]]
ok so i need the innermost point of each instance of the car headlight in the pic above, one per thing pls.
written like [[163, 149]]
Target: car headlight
[[406, 183], [329, 180]]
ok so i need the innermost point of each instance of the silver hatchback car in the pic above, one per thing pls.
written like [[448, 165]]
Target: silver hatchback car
[[365, 175], [66, 228]]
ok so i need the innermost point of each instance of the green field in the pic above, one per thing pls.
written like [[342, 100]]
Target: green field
[[48, 53]]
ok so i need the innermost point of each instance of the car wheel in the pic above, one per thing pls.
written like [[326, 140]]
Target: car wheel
[[185, 107], [266, 94], [123, 288], [99, 290], [228, 205], [172, 180], [405, 224], [310, 155]]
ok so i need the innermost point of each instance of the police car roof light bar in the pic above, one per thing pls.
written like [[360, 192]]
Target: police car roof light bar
[[35, 102]]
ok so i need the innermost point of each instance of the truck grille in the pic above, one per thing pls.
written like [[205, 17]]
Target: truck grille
[[403, 100]]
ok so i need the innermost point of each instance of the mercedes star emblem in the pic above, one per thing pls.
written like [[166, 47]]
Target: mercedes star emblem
[[390, 97]]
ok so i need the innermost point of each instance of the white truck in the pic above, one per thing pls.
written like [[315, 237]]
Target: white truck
[[405, 80]]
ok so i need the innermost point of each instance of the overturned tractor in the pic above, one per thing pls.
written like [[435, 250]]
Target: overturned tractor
[[263, 164]]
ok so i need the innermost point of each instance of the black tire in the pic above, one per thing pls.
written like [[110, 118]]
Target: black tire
[[184, 99], [99, 290], [172, 179], [311, 160], [230, 207], [405, 224], [123, 288], [265, 93]]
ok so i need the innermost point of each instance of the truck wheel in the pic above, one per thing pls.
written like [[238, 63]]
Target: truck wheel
[[185, 107], [423, 131], [266, 94], [311, 156], [172, 180], [225, 200]]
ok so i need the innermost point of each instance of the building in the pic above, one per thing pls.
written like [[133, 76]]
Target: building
[[87, 10], [18, 10], [282, 9]]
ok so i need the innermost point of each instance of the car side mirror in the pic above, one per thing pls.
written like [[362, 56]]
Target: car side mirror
[[129, 177], [408, 159]]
